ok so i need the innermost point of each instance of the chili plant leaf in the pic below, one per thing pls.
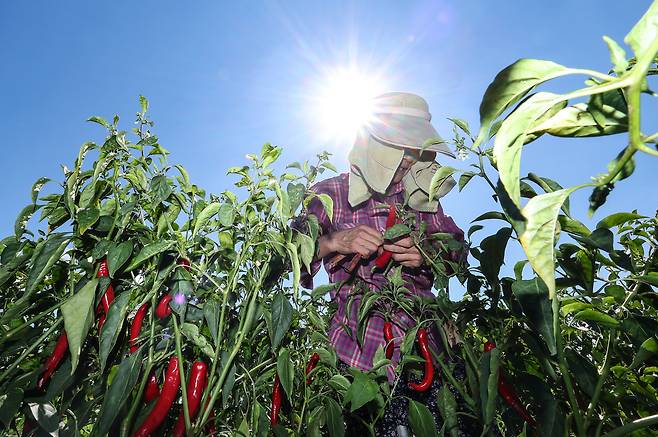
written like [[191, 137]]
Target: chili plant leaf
[[648, 349], [592, 315], [579, 121], [441, 182], [86, 219], [538, 238], [281, 317], [644, 33], [23, 217], [211, 312], [286, 372], [112, 327], [78, 316], [206, 214], [38, 185], [618, 219], [43, 259], [489, 364], [509, 86], [148, 251], [226, 214], [448, 409], [160, 188], [465, 179], [306, 249], [396, 231], [122, 385], [117, 256], [295, 195], [46, 415], [421, 420], [362, 390], [10, 402], [617, 55], [328, 205], [335, 424], [100, 120], [534, 299]]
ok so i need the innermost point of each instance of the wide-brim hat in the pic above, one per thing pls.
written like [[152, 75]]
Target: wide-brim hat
[[404, 120]]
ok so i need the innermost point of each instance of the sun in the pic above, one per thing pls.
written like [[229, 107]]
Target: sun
[[343, 102]]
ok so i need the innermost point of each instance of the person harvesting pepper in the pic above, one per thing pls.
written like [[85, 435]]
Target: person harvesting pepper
[[392, 164]]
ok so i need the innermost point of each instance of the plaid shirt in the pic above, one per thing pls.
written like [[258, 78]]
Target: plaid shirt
[[418, 281]]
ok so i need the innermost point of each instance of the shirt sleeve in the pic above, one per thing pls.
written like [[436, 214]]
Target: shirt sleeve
[[315, 208]]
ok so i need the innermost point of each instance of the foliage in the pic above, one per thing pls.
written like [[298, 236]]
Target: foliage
[[576, 336]]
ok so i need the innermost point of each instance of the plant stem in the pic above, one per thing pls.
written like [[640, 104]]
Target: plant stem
[[181, 371], [633, 426], [602, 378], [126, 425], [29, 350], [34, 319]]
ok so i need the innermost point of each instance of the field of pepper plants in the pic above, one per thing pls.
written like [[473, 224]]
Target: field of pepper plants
[[125, 286]]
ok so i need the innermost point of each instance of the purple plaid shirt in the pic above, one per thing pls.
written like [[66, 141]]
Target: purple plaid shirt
[[419, 281]]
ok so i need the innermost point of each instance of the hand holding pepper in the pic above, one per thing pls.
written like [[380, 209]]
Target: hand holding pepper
[[404, 252]]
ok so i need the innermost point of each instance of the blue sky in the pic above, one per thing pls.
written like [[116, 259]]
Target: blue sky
[[223, 78]]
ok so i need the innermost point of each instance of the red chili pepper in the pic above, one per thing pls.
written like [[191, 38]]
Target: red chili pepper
[[108, 296], [53, 360], [276, 402], [311, 365], [388, 337], [185, 263], [162, 406], [195, 388], [152, 390], [508, 394], [163, 310], [382, 260], [136, 326], [426, 382]]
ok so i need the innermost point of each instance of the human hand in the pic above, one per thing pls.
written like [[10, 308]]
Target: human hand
[[361, 239], [405, 252]]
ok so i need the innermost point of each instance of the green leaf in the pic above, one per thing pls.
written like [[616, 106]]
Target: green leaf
[[192, 333], [448, 409], [438, 178], [618, 219], [534, 299], [149, 251], [335, 424], [286, 372], [583, 370], [143, 104], [46, 416], [509, 86], [117, 394], [572, 226], [462, 124], [78, 313], [306, 250], [296, 269], [86, 219], [10, 402], [100, 120], [281, 317], [328, 205], [493, 255], [650, 278], [512, 136], [491, 215], [465, 179], [538, 238], [489, 368], [117, 256], [644, 33], [23, 217], [603, 239], [361, 391], [592, 315], [160, 188], [617, 55], [396, 231], [421, 420], [226, 214], [211, 312], [43, 260], [112, 327], [295, 196], [206, 214], [38, 185], [648, 349], [579, 121]]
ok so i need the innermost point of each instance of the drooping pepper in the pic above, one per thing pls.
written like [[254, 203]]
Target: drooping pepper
[[508, 394], [382, 260], [108, 296], [428, 377], [388, 337], [162, 406], [163, 310], [315, 358], [52, 362], [152, 390], [276, 402], [195, 388], [185, 263]]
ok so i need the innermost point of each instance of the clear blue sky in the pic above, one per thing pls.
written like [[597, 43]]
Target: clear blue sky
[[225, 77]]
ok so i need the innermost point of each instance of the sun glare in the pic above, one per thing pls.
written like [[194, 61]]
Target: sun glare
[[343, 103]]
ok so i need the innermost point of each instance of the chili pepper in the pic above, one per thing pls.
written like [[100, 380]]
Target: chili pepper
[[388, 337], [53, 360], [163, 310], [276, 402], [311, 365], [152, 390], [162, 406], [195, 388], [185, 263], [426, 382], [136, 326], [108, 296], [382, 260], [508, 394]]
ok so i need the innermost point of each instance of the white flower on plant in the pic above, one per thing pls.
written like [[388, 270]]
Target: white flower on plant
[[462, 154]]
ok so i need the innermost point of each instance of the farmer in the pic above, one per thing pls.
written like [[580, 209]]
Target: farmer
[[388, 165]]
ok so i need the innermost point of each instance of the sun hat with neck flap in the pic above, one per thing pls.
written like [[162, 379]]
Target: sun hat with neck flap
[[400, 121]]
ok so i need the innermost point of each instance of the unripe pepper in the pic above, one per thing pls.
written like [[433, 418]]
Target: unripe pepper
[[311, 365], [382, 260], [276, 402], [163, 310], [53, 360], [388, 337], [195, 388], [428, 377], [508, 394], [162, 406]]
